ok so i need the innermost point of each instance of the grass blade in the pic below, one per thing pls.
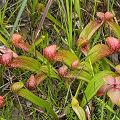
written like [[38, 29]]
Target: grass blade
[[18, 18], [43, 18], [4, 41], [69, 15], [4, 10], [34, 5], [13, 13], [77, 8]]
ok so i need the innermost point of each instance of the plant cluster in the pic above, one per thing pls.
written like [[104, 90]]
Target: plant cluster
[[97, 81]]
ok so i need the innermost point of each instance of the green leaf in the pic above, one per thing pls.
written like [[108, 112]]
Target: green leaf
[[79, 75], [46, 107], [49, 71], [90, 29], [78, 110], [94, 85], [4, 41], [97, 52], [115, 28], [66, 57], [25, 62]]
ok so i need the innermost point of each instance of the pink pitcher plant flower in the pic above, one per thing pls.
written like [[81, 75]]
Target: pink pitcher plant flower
[[74, 64], [105, 16], [83, 45], [49, 52], [100, 15], [6, 58], [34, 81], [113, 43], [17, 40], [62, 71], [3, 50], [109, 16], [31, 83], [112, 86]]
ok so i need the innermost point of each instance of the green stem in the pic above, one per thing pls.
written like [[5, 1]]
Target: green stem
[[102, 110], [112, 5], [95, 6], [108, 4], [78, 89], [6, 94]]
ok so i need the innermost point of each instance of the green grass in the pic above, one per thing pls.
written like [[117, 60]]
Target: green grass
[[58, 28]]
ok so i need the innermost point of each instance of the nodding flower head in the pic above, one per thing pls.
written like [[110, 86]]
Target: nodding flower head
[[74, 64], [62, 71], [2, 101], [17, 40], [100, 15], [3, 50], [105, 17], [49, 52], [113, 43], [109, 16], [31, 83], [83, 44], [6, 58]]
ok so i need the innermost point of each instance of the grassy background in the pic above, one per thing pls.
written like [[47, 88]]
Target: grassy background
[[23, 17]]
